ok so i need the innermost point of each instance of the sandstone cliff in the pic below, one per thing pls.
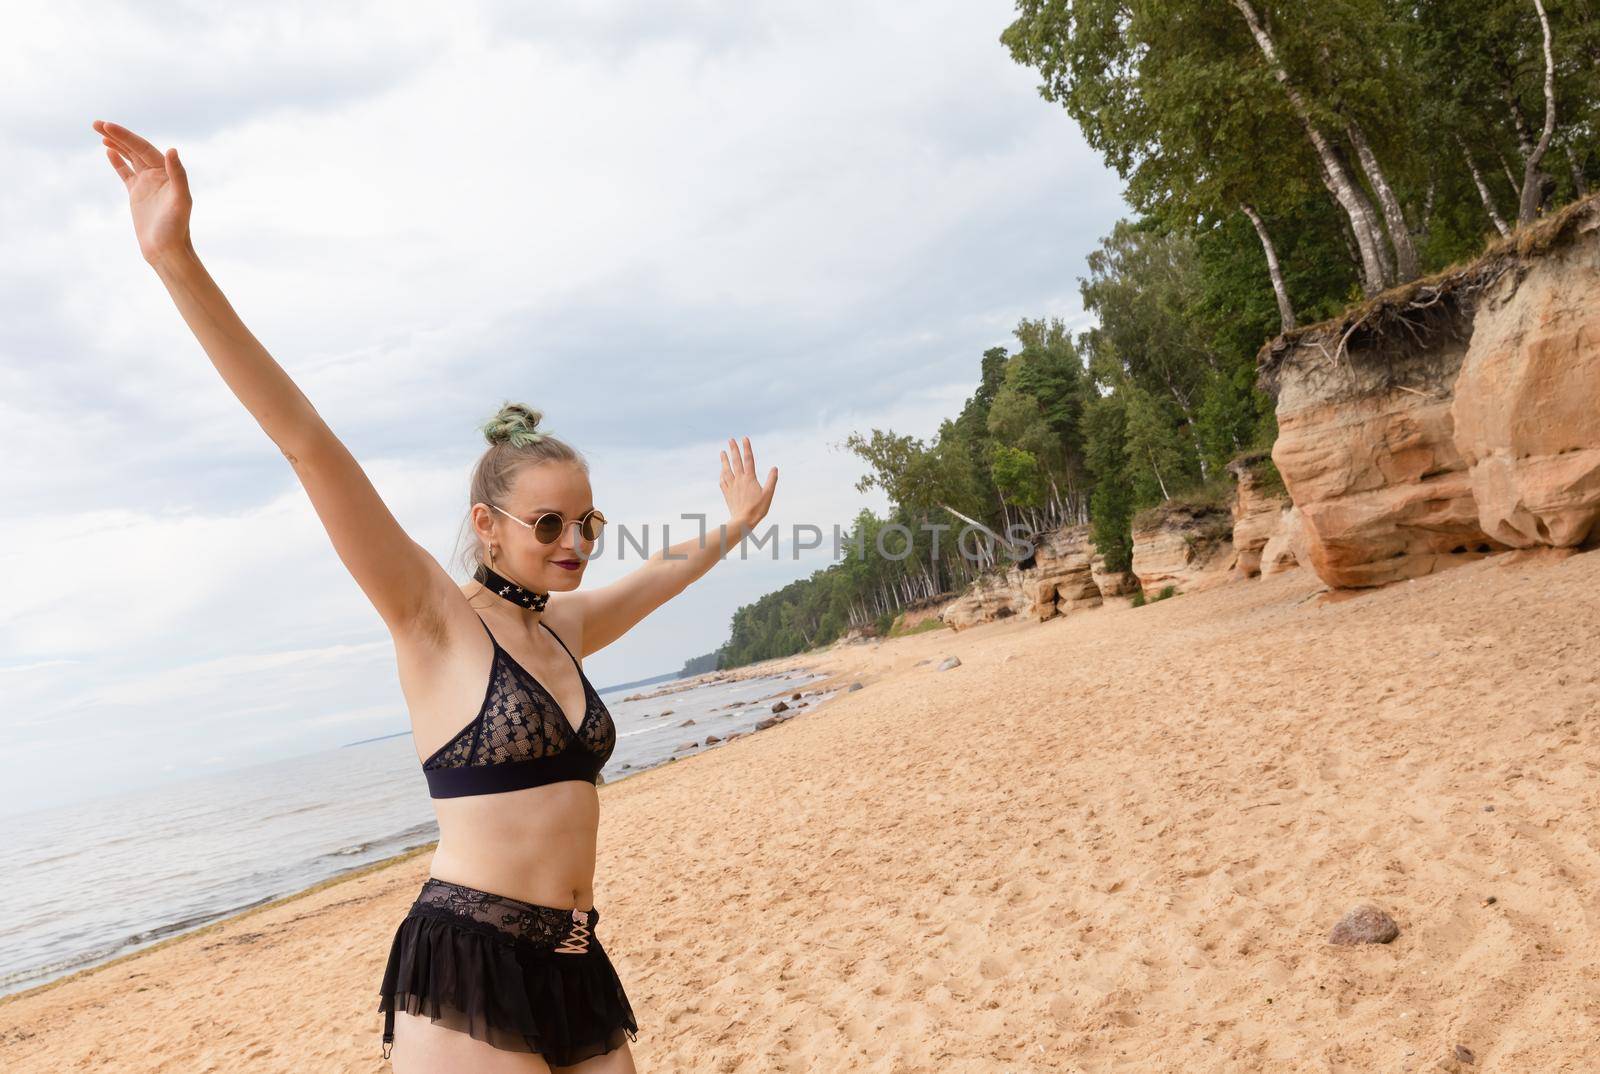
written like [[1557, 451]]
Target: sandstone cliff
[[1186, 546], [1261, 509], [1451, 418], [1058, 579]]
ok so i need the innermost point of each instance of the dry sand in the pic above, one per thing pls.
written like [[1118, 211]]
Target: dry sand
[[1115, 841]]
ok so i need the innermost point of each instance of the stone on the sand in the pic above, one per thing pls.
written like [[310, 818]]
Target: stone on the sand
[[853, 687], [1364, 924], [949, 662], [780, 706]]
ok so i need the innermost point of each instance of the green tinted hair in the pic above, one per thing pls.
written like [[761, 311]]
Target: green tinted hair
[[515, 442]]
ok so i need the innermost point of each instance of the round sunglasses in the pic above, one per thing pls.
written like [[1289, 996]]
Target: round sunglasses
[[548, 527]]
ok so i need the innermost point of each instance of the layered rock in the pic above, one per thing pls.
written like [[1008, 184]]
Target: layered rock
[[1063, 572], [1450, 418], [1111, 583], [1367, 450], [1186, 546], [1527, 400], [1259, 511], [993, 595], [1285, 549], [1057, 580]]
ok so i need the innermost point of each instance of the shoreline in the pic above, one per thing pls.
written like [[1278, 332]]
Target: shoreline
[[784, 666]]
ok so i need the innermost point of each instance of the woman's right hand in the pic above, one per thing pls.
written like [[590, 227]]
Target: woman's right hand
[[158, 190]]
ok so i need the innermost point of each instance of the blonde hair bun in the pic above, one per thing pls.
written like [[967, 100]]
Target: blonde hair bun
[[514, 424]]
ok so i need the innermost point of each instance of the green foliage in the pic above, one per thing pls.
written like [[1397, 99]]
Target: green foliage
[[1111, 503], [1016, 473], [921, 628], [1138, 600], [1146, 410]]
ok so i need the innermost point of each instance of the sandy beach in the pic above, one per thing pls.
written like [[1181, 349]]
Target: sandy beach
[[1115, 841]]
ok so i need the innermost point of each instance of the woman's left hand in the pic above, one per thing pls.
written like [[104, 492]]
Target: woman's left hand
[[747, 500]]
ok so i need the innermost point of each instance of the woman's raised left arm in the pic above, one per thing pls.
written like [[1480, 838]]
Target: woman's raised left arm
[[609, 612]]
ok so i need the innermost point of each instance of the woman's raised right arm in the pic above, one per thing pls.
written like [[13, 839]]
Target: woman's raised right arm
[[399, 576]]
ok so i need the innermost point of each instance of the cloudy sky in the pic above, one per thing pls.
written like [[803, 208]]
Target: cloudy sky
[[661, 223]]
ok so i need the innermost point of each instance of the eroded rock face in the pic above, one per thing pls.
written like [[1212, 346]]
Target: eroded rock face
[[990, 597], [1527, 402], [1366, 447], [1111, 583], [1383, 493], [1060, 581], [1258, 514], [1183, 547], [1450, 419], [1286, 547], [1063, 575]]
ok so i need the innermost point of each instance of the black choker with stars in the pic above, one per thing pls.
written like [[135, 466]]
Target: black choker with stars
[[505, 587]]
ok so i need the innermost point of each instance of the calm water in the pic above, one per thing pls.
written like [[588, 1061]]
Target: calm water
[[98, 879]]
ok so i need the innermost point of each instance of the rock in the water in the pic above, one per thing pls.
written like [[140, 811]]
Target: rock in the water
[[1364, 924], [949, 662], [686, 746], [710, 739], [795, 696], [687, 723], [770, 721], [780, 706], [853, 687]]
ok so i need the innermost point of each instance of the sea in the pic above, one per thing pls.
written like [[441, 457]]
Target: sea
[[97, 879]]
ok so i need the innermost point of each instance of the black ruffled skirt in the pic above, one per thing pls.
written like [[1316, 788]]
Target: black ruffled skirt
[[516, 975]]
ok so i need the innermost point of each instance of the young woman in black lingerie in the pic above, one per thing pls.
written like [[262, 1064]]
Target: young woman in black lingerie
[[496, 966]]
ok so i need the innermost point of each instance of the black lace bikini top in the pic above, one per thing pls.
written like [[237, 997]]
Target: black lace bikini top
[[520, 736]]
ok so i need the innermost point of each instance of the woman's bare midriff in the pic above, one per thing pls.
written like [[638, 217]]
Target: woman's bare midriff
[[536, 844]]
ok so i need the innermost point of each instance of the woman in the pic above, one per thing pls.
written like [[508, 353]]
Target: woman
[[496, 966]]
